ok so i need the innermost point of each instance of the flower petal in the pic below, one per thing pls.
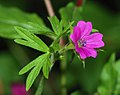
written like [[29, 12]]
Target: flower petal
[[81, 53], [86, 52], [85, 27], [75, 36], [89, 52], [72, 37], [94, 40], [96, 44], [94, 37], [81, 24]]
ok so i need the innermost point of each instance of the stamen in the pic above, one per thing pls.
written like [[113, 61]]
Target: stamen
[[81, 43]]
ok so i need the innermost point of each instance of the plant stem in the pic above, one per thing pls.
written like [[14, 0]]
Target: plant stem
[[40, 87], [41, 83], [63, 61], [49, 8], [63, 66]]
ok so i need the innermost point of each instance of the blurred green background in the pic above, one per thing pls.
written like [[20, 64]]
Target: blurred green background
[[105, 16]]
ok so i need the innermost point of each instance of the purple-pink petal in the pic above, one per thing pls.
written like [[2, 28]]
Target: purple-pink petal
[[81, 52], [85, 43], [75, 36], [81, 24], [85, 27], [89, 52], [86, 52], [94, 40], [72, 37], [95, 44], [94, 37], [18, 89]]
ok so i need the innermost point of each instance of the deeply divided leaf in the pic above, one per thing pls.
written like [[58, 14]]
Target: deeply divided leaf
[[43, 62], [68, 26], [46, 67], [30, 40], [32, 64], [56, 25], [32, 76], [41, 29]]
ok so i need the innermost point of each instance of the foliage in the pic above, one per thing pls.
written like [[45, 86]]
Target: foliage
[[29, 39], [25, 28], [110, 78], [7, 58], [71, 13], [18, 18]]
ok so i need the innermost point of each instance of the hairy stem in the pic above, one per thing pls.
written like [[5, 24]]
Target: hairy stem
[[63, 61], [49, 8], [41, 83], [63, 66]]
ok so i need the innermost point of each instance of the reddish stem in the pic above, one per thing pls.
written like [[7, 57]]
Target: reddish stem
[[79, 3], [49, 8]]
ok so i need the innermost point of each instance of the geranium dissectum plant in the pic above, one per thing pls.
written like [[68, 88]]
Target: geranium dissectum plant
[[85, 42], [53, 44]]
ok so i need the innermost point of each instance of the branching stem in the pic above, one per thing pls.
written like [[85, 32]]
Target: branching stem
[[63, 62]]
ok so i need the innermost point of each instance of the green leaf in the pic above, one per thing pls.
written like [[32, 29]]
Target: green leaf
[[108, 77], [8, 70], [30, 40], [95, 30], [112, 59], [70, 46], [10, 17], [7, 31], [43, 62], [65, 31], [32, 64], [56, 25], [46, 67], [31, 22], [68, 26], [32, 76], [70, 13], [56, 47], [41, 29], [117, 87]]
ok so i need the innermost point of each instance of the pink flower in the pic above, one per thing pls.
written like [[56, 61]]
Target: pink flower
[[85, 43], [18, 89]]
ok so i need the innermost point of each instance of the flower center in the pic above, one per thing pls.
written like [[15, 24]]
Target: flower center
[[81, 43]]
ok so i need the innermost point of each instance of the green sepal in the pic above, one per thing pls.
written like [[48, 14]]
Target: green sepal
[[95, 30]]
